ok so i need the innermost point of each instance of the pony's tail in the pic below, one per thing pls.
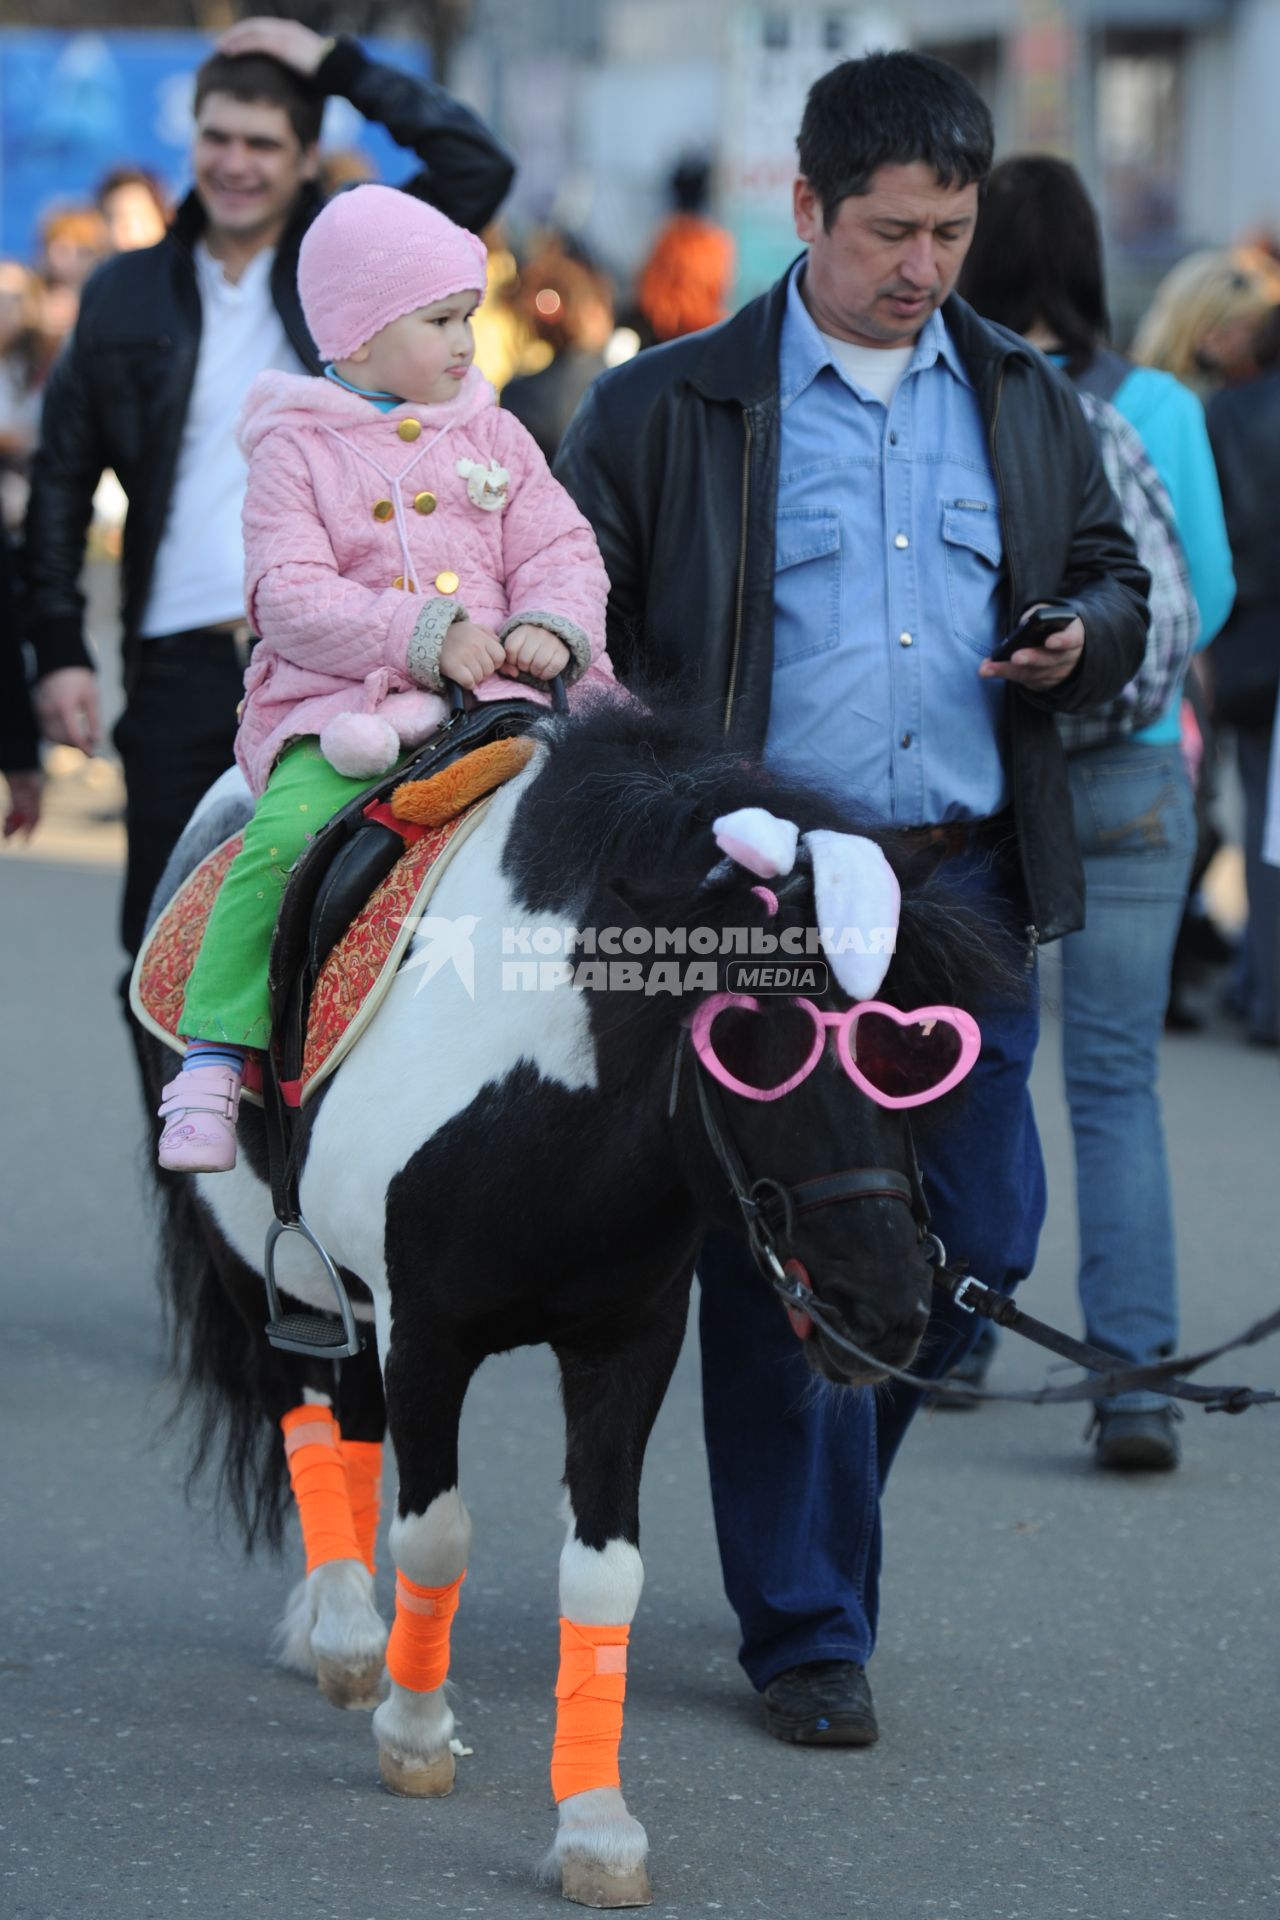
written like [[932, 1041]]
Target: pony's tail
[[227, 1380]]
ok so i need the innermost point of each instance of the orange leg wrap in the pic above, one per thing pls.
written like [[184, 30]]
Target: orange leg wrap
[[590, 1690], [312, 1442], [418, 1650], [363, 1462]]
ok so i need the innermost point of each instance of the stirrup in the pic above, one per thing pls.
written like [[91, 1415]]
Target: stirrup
[[317, 1334]]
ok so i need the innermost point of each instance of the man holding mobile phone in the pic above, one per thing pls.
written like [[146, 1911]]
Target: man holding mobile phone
[[826, 513], [1036, 629]]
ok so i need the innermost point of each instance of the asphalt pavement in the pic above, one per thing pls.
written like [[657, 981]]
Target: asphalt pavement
[[1076, 1682]]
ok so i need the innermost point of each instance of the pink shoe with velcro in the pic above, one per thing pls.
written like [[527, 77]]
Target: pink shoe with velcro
[[199, 1110]]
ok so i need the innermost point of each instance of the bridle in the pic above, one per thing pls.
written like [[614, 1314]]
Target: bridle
[[770, 1210]]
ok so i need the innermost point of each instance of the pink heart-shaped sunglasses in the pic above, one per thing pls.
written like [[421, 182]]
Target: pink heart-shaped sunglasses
[[897, 1059]]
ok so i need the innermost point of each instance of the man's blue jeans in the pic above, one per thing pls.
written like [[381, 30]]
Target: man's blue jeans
[[1135, 821], [798, 1467]]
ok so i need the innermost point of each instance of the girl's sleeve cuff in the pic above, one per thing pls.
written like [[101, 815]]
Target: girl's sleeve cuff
[[422, 660]]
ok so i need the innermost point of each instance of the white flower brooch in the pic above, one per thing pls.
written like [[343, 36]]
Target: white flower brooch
[[486, 486]]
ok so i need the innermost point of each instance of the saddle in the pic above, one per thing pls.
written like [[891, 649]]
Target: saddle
[[474, 752]]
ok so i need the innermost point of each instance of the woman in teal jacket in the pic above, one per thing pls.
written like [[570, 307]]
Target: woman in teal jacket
[[1036, 266]]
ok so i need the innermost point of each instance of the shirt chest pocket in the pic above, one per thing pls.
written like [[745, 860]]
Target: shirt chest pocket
[[973, 553], [806, 584]]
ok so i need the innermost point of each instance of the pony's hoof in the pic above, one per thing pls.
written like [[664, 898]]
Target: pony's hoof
[[591, 1884], [355, 1687], [417, 1779]]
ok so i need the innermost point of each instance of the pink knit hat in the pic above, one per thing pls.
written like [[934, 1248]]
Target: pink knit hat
[[375, 254]]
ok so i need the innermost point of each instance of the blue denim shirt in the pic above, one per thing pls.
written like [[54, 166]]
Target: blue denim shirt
[[888, 584]]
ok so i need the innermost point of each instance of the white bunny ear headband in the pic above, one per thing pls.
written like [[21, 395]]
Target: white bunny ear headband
[[855, 891]]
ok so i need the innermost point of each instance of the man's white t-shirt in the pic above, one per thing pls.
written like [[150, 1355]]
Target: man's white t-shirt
[[878, 370], [199, 573]]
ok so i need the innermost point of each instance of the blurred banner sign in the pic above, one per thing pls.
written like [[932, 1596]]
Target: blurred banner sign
[[74, 105], [775, 55]]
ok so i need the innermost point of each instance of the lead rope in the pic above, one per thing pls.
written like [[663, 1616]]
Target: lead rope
[[969, 1294]]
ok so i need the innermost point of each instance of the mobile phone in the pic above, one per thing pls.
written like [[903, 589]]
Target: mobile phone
[[1052, 617]]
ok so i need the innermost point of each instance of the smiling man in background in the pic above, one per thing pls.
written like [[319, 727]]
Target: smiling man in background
[[168, 341], [824, 514]]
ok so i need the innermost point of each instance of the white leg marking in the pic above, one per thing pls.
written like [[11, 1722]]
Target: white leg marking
[[596, 1827], [601, 1588], [291, 1642], [596, 1835], [331, 1631], [348, 1631], [431, 1549], [413, 1730]]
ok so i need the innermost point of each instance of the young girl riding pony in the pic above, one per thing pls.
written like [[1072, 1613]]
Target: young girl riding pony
[[400, 530]]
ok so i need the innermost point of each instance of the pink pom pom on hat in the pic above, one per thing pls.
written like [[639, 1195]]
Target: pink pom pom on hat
[[375, 254]]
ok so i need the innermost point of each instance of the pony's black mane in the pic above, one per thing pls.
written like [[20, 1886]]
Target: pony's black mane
[[623, 807]]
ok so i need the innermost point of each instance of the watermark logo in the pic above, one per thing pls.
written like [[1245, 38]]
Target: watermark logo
[[445, 943], [776, 976], [644, 960]]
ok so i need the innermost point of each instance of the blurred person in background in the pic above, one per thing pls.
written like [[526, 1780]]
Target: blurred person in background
[[21, 361], [684, 284], [504, 344], [73, 241], [168, 341], [343, 167], [135, 207], [19, 735], [1203, 320], [567, 301], [1202, 326], [800, 518], [1035, 266], [1244, 426]]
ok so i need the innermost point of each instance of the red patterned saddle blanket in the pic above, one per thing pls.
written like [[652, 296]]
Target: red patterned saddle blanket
[[353, 980]]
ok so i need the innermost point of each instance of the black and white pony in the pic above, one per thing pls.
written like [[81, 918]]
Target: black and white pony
[[513, 1158]]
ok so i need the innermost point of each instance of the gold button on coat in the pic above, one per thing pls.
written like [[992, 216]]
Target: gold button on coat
[[409, 429], [425, 502], [447, 582], [382, 509], [399, 582]]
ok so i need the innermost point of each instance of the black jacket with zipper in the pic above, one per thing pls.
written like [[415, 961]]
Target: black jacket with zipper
[[118, 394], [674, 460]]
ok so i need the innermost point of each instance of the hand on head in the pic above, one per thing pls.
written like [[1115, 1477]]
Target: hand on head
[[287, 41]]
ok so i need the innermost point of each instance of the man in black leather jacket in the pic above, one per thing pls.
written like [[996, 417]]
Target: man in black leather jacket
[[934, 479], [166, 342]]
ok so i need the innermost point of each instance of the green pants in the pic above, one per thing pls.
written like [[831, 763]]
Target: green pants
[[226, 996]]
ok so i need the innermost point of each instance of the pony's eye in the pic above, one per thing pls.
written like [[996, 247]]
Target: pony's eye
[[765, 1048]]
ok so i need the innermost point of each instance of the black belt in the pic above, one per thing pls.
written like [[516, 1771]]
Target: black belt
[[237, 632], [959, 836]]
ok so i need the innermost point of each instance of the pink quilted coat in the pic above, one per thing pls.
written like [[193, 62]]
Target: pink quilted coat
[[366, 534]]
